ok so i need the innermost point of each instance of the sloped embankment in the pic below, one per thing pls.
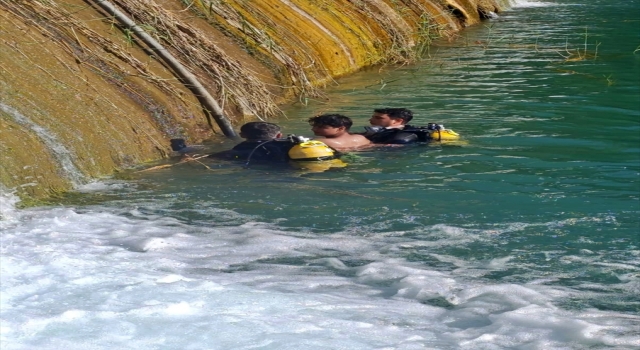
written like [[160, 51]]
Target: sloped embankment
[[81, 96]]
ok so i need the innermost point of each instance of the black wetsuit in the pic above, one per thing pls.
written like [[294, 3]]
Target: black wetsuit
[[408, 134], [271, 151]]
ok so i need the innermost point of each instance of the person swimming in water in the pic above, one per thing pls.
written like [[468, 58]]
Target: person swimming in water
[[387, 125], [264, 143], [260, 144], [333, 130]]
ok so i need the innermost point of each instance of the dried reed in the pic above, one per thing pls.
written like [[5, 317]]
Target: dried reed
[[238, 87]]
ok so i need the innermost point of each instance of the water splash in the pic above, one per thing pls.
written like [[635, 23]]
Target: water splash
[[8, 211], [530, 3], [63, 156]]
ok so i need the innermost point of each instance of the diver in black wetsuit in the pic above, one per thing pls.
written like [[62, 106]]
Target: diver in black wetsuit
[[263, 143], [387, 125]]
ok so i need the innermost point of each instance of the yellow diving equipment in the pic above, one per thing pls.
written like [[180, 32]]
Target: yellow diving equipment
[[311, 150], [444, 135], [314, 155], [319, 166]]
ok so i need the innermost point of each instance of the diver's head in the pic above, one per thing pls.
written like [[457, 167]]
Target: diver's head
[[391, 117], [330, 125], [178, 145], [260, 131]]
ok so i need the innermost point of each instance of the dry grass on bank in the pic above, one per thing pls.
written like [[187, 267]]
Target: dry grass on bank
[[237, 89], [231, 81]]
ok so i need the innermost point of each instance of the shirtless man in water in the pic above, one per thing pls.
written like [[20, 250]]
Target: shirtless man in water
[[333, 130]]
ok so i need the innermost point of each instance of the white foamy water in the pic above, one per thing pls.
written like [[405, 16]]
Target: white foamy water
[[101, 278], [531, 3]]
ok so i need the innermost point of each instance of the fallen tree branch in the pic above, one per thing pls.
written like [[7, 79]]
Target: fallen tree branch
[[188, 159], [210, 105]]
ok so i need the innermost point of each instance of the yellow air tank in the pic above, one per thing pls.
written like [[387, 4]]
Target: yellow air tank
[[444, 135], [319, 166], [314, 156], [311, 150]]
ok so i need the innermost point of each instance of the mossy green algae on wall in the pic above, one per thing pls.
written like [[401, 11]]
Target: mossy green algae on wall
[[64, 122], [317, 40]]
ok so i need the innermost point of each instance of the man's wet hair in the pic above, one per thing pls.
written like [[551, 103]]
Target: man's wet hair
[[259, 131], [334, 120], [396, 113]]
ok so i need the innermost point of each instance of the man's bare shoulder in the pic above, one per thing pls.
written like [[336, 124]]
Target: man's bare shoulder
[[356, 141], [346, 142], [358, 137]]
